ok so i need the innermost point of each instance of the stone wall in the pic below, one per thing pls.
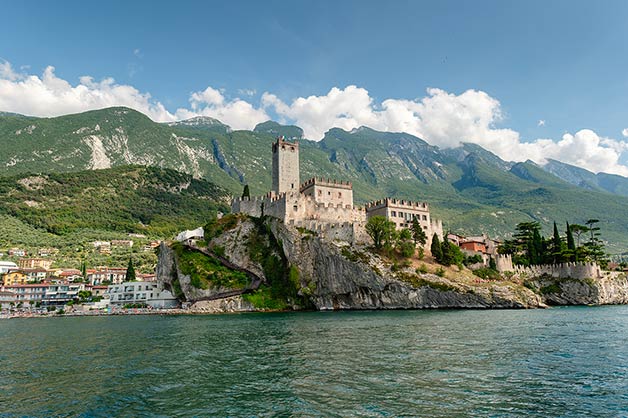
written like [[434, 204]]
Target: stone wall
[[285, 170], [329, 191], [562, 271]]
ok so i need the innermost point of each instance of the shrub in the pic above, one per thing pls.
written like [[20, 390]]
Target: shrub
[[422, 269], [440, 272]]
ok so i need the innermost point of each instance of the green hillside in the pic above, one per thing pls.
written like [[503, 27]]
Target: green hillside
[[470, 189], [68, 211]]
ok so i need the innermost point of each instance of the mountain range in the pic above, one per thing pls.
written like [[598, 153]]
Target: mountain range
[[472, 190]]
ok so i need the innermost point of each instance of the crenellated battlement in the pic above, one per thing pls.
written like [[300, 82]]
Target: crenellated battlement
[[320, 181], [396, 203], [574, 270]]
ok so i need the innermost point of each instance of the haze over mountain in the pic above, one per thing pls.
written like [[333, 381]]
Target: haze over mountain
[[470, 188]]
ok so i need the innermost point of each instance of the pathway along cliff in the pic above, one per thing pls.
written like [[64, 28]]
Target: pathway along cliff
[[282, 267]]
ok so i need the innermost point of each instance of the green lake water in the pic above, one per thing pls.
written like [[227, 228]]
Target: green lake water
[[554, 362]]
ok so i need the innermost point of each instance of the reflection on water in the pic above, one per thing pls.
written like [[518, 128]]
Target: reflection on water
[[567, 361]]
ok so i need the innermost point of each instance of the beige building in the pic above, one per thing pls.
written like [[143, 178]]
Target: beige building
[[33, 263]]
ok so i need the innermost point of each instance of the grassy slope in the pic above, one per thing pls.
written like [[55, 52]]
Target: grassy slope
[[69, 211]]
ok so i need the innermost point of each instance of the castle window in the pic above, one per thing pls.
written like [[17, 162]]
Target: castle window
[[292, 185], [393, 213], [320, 192], [401, 214], [328, 193], [425, 217], [295, 207], [339, 194]]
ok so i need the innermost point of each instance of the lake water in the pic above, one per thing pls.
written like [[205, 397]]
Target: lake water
[[555, 362]]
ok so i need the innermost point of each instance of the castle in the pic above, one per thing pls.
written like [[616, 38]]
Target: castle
[[326, 206]]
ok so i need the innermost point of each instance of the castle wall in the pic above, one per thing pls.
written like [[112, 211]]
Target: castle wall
[[329, 191], [285, 170], [561, 271]]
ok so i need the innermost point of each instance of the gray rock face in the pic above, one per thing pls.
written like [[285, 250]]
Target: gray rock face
[[334, 282], [611, 289], [168, 272], [226, 305]]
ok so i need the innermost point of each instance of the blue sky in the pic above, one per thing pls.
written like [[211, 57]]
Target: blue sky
[[561, 62]]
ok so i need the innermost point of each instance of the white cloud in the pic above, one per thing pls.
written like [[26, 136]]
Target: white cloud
[[247, 92], [541, 123], [236, 113], [441, 118], [625, 132], [50, 95], [447, 120]]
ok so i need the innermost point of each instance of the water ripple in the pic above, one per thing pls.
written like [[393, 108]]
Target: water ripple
[[557, 362]]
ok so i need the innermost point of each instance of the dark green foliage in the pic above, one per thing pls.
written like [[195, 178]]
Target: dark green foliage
[[404, 245], [436, 249], [246, 192], [418, 234], [472, 259], [380, 230], [529, 248], [215, 227], [144, 200], [487, 273], [206, 272], [130, 271], [492, 264], [571, 245], [282, 279]]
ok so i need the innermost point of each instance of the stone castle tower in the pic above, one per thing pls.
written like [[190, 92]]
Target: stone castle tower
[[285, 166]]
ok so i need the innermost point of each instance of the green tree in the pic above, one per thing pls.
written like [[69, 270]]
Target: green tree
[[404, 244], [557, 246], [246, 192], [436, 249], [492, 264], [130, 271], [571, 252], [380, 230], [418, 234], [526, 247], [595, 246]]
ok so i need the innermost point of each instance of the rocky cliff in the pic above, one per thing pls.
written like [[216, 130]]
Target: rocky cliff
[[610, 289], [335, 276]]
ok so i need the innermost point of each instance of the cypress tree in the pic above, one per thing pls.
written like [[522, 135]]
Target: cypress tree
[[436, 249], [446, 255], [246, 192], [130, 271], [537, 242], [557, 244], [571, 245]]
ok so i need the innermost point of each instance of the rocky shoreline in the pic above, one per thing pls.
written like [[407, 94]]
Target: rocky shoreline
[[333, 275]]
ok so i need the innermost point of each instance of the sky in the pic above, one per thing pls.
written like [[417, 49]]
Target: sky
[[526, 80]]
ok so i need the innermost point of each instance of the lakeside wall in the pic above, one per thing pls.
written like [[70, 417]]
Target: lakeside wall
[[579, 270]]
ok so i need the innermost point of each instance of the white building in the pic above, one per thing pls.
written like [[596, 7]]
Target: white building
[[148, 293], [6, 266], [191, 236]]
